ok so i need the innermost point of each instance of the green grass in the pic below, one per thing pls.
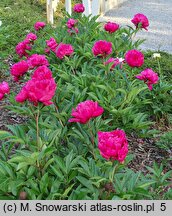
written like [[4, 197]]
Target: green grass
[[18, 18], [165, 63]]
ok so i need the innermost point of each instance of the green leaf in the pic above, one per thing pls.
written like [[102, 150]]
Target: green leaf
[[5, 135], [44, 182], [7, 168], [31, 171], [166, 176], [57, 172], [60, 163], [142, 192], [85, 182], [146, 184], [65, 194], [22, 165], [85, 167]]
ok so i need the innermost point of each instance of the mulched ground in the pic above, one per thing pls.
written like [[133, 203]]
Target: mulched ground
[[146, 153], [7, 117]]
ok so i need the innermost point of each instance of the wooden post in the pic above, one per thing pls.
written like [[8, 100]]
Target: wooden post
[[102, 6], [68, 6], [48, 11], [51, 8], [95, 7], [87, 5], [50, 17], [55, 3]]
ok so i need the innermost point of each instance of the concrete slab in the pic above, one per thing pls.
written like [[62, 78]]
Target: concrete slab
[[159, 13]]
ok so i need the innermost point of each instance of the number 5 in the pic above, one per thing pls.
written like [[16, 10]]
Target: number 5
[[163, 207]]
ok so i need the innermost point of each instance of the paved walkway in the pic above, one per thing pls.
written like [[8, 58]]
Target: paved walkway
[[159, 13]]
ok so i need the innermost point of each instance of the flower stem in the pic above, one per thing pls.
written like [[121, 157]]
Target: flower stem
[[37, 128], [59, 118], [37, 139], [113, 172], [91, 133], [92, 139], [159, 68]]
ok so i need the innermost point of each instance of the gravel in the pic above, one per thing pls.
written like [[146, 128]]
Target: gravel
[[159, 12]]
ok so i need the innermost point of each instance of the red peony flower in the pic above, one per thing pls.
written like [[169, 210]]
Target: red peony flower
[[52, 44], [71, 23], [111, 27], [64, 50], [19, 69], [102, 48], [140, 19], [39, 89], [113, 145], [149, 77], [31, 36], [36, 60], [22, 95], [42, 72], [79, 8], [1, 96], [134, 58], [39, 25], [116, 61], [85, 111], [4, 89], [23, 47]]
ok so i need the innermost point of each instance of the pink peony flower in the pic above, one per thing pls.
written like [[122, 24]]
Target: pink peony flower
[[4, 88], [1, 96], [79, 8], [22, 95], [36, 60], [18, 69], [134, 58], [23, 47], [39, 25], [38, 90], [116, 61], [52, 44], [64, 50], [73, 31], [111, 27], [85, 111], [140, 19], [71, 23], [102, 48], [149, 77], [113, 145], [31, 36], [42, 72]]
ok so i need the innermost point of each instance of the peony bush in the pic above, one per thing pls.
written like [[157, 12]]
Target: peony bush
[[82, 97]]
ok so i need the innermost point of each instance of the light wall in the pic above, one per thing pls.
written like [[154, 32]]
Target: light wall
[[109, 4]]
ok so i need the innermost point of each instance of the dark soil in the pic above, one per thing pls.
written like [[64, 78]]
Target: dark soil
[[146, 153], [7, 117]]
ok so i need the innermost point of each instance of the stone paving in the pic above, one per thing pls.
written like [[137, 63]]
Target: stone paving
[[159, 13]]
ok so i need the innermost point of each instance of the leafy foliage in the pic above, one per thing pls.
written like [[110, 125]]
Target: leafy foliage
[[165, 141]]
